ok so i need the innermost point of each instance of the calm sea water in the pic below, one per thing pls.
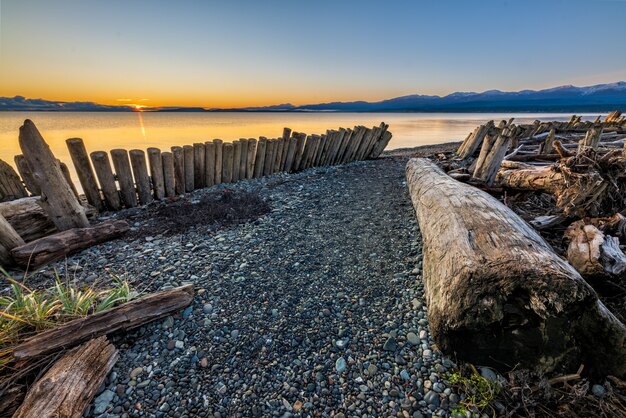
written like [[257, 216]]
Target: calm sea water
[[109, 130]]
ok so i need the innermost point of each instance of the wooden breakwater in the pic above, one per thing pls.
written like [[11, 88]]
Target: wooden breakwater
[[41, 197]]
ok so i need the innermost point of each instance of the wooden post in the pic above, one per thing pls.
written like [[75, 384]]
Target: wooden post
[[268, 164], [280, 146], [322, 150], [189, 168], [283, 156], [359, 132], [124, 177], [243, 161], [342, 148], [199, 173], [179, 170], [548, 145], [169, 182], [156, 172], [331, 148], [291, 150], [25, 172], [251, 157], [297, 157], [491, 163], [140, 172], [102, 166], [68, 177], [209, 163], [364, 143], [85, 173], [219, 147], [227, 163], [57, 198], [236, 160], [260, 157], [11, 186]]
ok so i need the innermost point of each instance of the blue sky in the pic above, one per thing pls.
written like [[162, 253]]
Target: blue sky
[[222, 53]]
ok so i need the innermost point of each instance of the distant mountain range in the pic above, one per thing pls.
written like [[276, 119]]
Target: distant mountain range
[[598, 98]]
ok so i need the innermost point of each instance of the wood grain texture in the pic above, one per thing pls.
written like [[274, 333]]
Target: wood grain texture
[[497, 294], [68, 387]]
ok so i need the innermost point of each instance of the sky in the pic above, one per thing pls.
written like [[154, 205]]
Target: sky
[[250, 53]]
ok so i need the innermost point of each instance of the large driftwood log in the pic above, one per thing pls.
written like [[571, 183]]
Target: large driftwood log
[[59, 245], [57, 197], [121, 318], [66, 390], [497, 294], [85, 172]]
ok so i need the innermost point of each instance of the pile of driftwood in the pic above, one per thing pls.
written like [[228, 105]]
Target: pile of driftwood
[[499, 294], [67, 375]]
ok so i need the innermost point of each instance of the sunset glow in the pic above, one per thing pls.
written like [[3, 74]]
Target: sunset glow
[[232, 54]]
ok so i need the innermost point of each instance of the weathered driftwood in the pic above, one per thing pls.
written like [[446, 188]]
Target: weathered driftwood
[[299, 150], [497, 294], [120, 318], [268, 163], [58, 200], [474, 141], [169, 174], [592, 253], [219, 147], [280, 145], [259, 161], [179, 169], [243, 161], [548, 145], [252, 145], [59, 245], [27, 175], [491, 156], [227, 163], [189, 168], [67, 388], [11, 186], [102, 166], [291, 151], [68, 177], [156, 172], [86, 175], [236, 160], [124, 176], [9, 239], [592, 138], [140, 172], [199, 159], [209, 163]]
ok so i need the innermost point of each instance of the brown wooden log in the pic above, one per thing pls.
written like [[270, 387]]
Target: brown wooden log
[[156, 172], [227, 163], [209, 163], [322, 152], [11, 186], [548, 145], [236, 160], [169, 174], [335, 147], [86, 175], [487, 168], [309, 149], [27, 175], [140, 172], [252, 145], [497, 294], [382, 144], [101, 164], [299, 150], [120, 318], [291, 151], [68, 387], [59, 245], [124, 175], [189, 168], [57, 198], [243, 161], [355, 142], [199, 172], [474, 142], [278, 152], [259, 161], [342, 148], [179, 170], [285, 148], [219, 146], [68, 177], [9, 239], [268, 162]]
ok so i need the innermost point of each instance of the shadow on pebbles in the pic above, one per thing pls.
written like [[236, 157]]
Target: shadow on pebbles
[[312, 306]]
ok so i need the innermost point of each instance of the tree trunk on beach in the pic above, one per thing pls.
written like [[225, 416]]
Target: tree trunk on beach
[[497, 293]]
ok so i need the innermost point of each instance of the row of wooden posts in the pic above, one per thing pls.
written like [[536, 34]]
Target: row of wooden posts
[[125, 179]]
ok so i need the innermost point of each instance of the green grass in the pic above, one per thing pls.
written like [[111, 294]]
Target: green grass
[[479, 393], [24, 311]]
